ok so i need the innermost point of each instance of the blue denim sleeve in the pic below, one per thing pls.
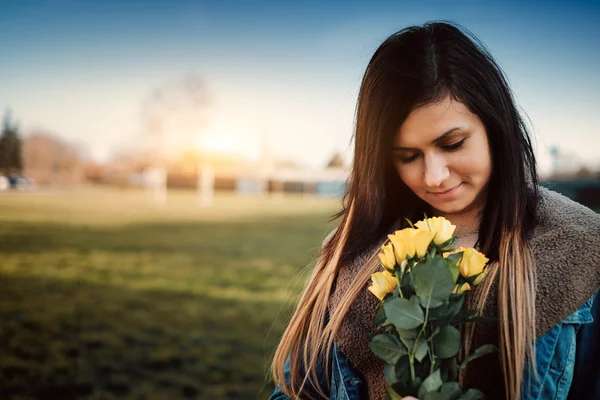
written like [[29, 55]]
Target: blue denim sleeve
[[586, 377], [279, 395]]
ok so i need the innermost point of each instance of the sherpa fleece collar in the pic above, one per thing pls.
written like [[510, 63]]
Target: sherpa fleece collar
[[566, 250]]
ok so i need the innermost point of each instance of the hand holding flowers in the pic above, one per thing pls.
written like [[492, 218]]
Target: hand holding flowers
[[422, 291]]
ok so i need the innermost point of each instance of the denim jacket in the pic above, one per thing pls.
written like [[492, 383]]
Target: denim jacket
[[567, 362]]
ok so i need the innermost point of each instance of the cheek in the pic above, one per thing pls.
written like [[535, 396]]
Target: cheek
[[409, 174], [476, 167]]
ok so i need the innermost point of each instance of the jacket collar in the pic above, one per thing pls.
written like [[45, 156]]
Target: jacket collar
[[565, 247]]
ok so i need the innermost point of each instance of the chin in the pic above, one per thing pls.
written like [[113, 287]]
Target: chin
[[451, 208]]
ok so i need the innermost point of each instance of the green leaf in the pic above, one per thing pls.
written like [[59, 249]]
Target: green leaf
[[416, 384], [452, 262], [446, 244], [431, 384], [433, 282], [450, 391], [389, 372], [393, 395], [414, 300], [409, 334], [406, 285], [472, 394], [464, 315], [445, 313], [449, 369], [454, 307], [404, 390], [380, 318], [422, 349], [402, 370], [387, 347], [454, 257], [431, 333], [480, 351], [437, 312], [403, 314], [433, 396], [446, 342]]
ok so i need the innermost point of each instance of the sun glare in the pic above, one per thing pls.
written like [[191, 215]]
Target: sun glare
[[217, 143]]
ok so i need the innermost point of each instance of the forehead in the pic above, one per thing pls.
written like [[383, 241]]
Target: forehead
[[428, 122]]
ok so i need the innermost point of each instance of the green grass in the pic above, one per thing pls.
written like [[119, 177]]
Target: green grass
[[105, 295]]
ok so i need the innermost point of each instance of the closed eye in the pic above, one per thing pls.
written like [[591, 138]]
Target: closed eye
[[409, 159], [454, 146]]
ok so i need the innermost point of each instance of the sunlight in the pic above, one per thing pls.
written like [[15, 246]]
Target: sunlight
[[217, 143]]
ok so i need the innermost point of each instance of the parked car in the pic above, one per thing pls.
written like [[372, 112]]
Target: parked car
[[18, 182]]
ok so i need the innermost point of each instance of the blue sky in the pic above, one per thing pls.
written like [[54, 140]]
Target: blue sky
[[282, 72]]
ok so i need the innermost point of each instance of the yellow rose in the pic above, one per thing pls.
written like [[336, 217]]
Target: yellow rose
[[387, 257], [399, 248], [471, 263], [442, 228], [382, 284], [463, 288], [411, 242], [403, 244]]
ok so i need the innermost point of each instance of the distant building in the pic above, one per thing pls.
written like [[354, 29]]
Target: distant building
[[327, 182], [584, 191]]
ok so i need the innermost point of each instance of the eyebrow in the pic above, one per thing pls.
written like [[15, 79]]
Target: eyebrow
[[434, 141]]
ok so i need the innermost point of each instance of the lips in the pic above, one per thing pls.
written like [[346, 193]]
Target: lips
[[447, 193]]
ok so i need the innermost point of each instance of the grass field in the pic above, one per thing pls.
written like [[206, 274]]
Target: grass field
[[105, 295]]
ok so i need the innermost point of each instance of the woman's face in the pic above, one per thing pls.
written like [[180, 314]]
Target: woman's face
[[441, 153]]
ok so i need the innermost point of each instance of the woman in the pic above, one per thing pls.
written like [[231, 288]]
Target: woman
[[438, 132]]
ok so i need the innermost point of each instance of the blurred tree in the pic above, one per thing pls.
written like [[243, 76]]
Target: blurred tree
[[11, 157], [337, 161], [584, 172], [173, 114], [50, 160]]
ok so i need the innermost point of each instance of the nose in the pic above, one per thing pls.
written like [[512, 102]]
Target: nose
[[436, 170]]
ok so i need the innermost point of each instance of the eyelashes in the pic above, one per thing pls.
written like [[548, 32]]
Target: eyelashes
[[407, 160], [448, 148], [454, 146]]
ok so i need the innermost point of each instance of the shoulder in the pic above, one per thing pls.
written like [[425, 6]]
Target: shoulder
[[564, 246], [558, 214], [566, 227]]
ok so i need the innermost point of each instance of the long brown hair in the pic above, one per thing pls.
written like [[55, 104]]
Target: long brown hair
[[413, 67]]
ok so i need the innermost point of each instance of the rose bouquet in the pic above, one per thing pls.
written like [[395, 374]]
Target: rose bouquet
[[421, 289]]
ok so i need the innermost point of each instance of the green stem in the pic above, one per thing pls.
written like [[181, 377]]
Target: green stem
[[424, 324], [410, 267], [399, 279], [431, 363], [433, 251], [411, 357]]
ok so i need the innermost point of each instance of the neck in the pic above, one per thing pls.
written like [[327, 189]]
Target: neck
[[466, 222]]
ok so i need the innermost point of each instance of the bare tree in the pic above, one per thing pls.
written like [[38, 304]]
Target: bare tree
[[50, 160], [173, 112]]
